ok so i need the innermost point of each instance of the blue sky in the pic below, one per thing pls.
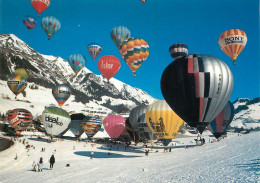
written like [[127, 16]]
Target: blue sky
[[197, 23]]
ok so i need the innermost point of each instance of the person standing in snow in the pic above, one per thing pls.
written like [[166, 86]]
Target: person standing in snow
[[91, 155], [40, 164], [52, 161], [34, 166]]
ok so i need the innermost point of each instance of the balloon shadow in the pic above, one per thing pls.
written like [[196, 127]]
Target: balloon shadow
[[104, 155], [122, 149]]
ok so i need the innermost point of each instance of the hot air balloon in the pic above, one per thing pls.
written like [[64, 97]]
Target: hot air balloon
[[55, 120], [17, 84], [94, 50], [197, 87], [109, 65], [75, 124], [61, 93], [163, 121], [40, 5], [220, 124], [29, 22], [91, 125], [21, 72], [77, 62], [232, 42], [50, 25], [20, 119], [143, 1], [119, 34], [114, 125], [144, 131], [134, 116], [178, 50], [134, 51]]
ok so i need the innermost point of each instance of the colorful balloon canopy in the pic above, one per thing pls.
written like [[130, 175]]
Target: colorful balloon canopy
[[94, 50], [114, 125], [55, 120], [29, 22], [163, 121], [20, 119], [178, 50], [232, 42], [119, 34], [91, 125], [21, 72], [77, 62], [109, 65], [197, 87], [17, 84], [75, 124], [61, 93], [143, 1], [134, 51], [50, 25], [40, 5], [220, 124]]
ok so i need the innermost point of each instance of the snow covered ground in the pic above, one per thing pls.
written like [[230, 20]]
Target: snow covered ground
[[233, 159]]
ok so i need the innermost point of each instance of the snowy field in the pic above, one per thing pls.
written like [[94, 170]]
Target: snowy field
[[233, 159]]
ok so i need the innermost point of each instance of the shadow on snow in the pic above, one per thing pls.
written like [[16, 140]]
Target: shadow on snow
[[103, 155], [254, 165]]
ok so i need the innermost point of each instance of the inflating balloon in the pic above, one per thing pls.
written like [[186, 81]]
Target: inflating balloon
[[91, 125], [145, 132], [55, 120], [197, 87], [134, 116], [20, 118], [220, 124], [119, 34], [232, 42], [75, 124], [17, 84], [29, 22], [178, 50], [163, 121], [114, 125], [61, 93], [40, 5], [134, 51], [94, 50], [21, 72], [109, 65], [77, 62], [50, 25]]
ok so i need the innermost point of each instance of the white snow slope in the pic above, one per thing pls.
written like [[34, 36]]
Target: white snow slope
[[233, 159]]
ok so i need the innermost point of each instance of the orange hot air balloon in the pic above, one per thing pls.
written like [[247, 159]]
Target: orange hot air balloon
[[232, 42]]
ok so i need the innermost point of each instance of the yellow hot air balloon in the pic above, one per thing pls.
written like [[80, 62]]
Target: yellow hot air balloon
[[134, 51], [22, 72], [163, 121], [232, 42]]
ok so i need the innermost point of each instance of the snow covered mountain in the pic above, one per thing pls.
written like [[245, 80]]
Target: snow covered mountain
[[46, 71], [247, 114]]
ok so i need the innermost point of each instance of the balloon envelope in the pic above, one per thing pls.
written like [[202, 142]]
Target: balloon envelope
[[197, 87], [91, 125], [178, 50], [50, 25], [21, 72], [20, 118], [29, 22], [114, 125], [134, 116], [77, 62], [17, 84], [94, 50], [109, 65], [40, 5], [134, 51], [61, 93], [55, 120], [220, 124], [119, 34], [163, 121], [144, 130], [75, 124], [232, 42]]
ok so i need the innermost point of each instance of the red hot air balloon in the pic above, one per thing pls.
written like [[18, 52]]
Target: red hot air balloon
[[109, 65], [114, 125], [40, 5]]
